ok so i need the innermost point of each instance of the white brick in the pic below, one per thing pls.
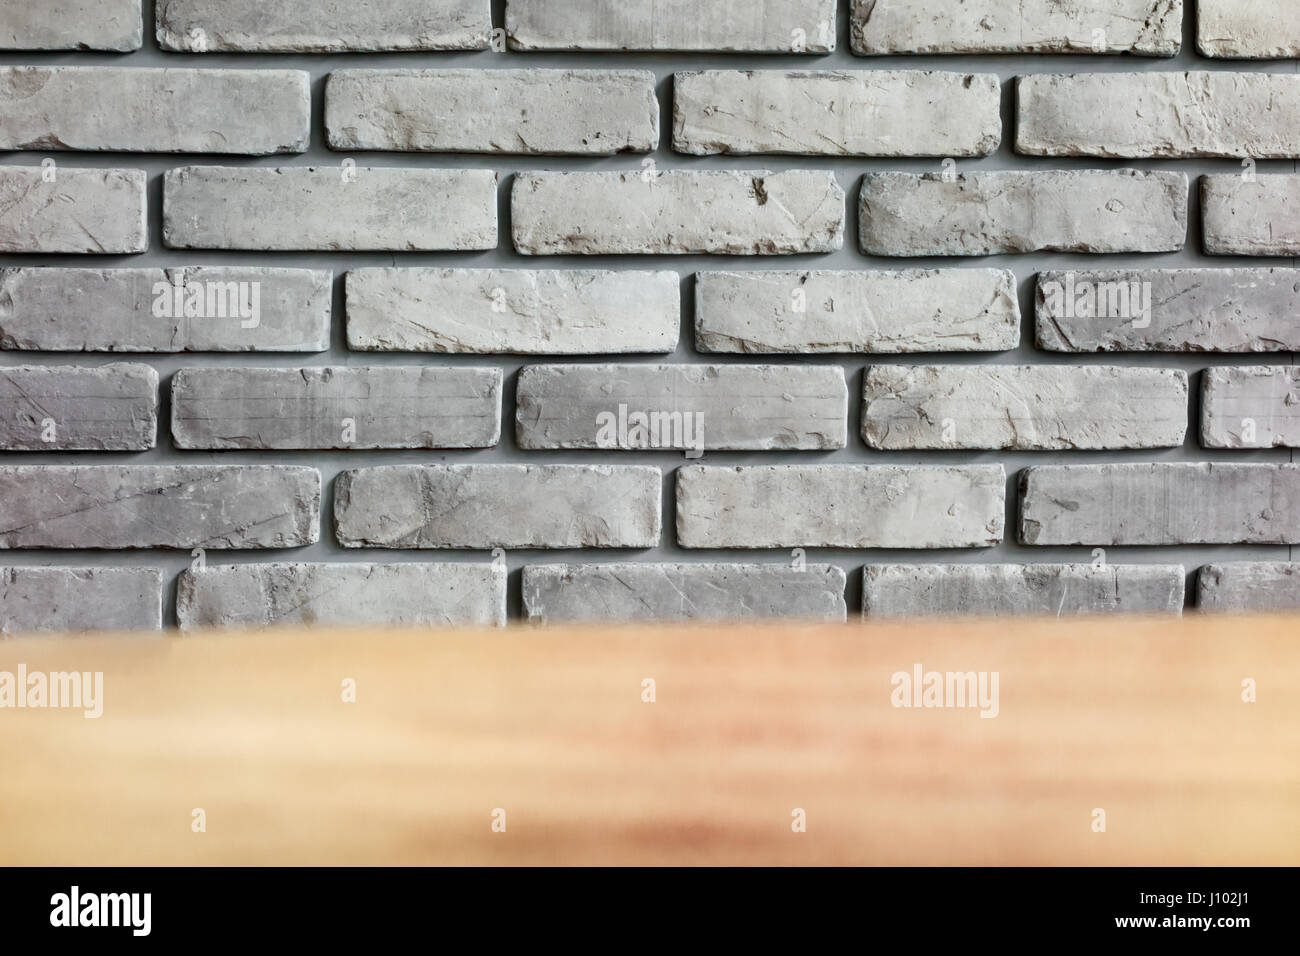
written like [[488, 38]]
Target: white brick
[[749, 26], [329, 209], [54, 600], [1160, 503], [1176, 310], [518, 311], [115, 25], [944, 310], [250, 112], [1244, 586], [1248, 29], [67, 309], [61, 209], [682, 592], [728, 212], [1251, 407], [67, 408], [977, 214], [550, 112], [698, 407], [1023, 407], [342, 595], [158, 506], [321, 26], [1143, 27], [898, 590], [861, 113], [498, 506], [1259, 217], [840, 506], [1179, 115], [379, 407]]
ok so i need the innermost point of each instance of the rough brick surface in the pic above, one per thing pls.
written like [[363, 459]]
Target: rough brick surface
[[1251, 217], [1160, 503], [840, 506], [72, 210], [158, 506], [977, 214], [498, 506], [520, 311], [751, 26], [219, 207], [217, 309], [1250, 407], [727, 212], [67, 408], [863, 113], [698, 407], [1168, 310], [1246, 586], [253, 112], [114, 25], [378, 407], [898, 590], [1144, 27], [339, 595], [556, 112], [944, 310], [681, 592], [35, 600], [1023, 407], [1243, 29], [1134, 115], [319, 26]]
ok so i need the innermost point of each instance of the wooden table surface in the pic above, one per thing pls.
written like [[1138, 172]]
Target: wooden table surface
[[547, 732]]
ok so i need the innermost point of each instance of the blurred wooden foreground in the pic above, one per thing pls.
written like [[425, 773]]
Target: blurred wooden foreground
[[1143, 719]]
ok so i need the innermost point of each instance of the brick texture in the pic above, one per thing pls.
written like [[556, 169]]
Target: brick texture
[[563, 287]]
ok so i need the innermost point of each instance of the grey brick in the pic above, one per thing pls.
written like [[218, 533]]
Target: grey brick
[[115, 25], [1122, 210], [381, 407], [840, 506], [860, 113], [321, 26], [1160, 503], [72, 210], [330, 208], [749, 26], [339, 595], [682, 592], [1251, 407], [899, 590], [505, 506], [251, 112], [1251, 217], [68, 309], [1136, 115], [1243, 586], [519, 311], [67, 408], [1247, 30], [729, 212], [726, 407], [1023, 407], [1143, 27], [552, 112], [158, 506], [1177, 310], [53, 600], [944, 310]]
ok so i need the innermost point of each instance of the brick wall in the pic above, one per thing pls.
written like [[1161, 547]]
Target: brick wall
[[335, 312]]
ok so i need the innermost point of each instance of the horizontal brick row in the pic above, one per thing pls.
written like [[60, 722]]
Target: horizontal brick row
[[113, 25], [35, 600], [66, 408]]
